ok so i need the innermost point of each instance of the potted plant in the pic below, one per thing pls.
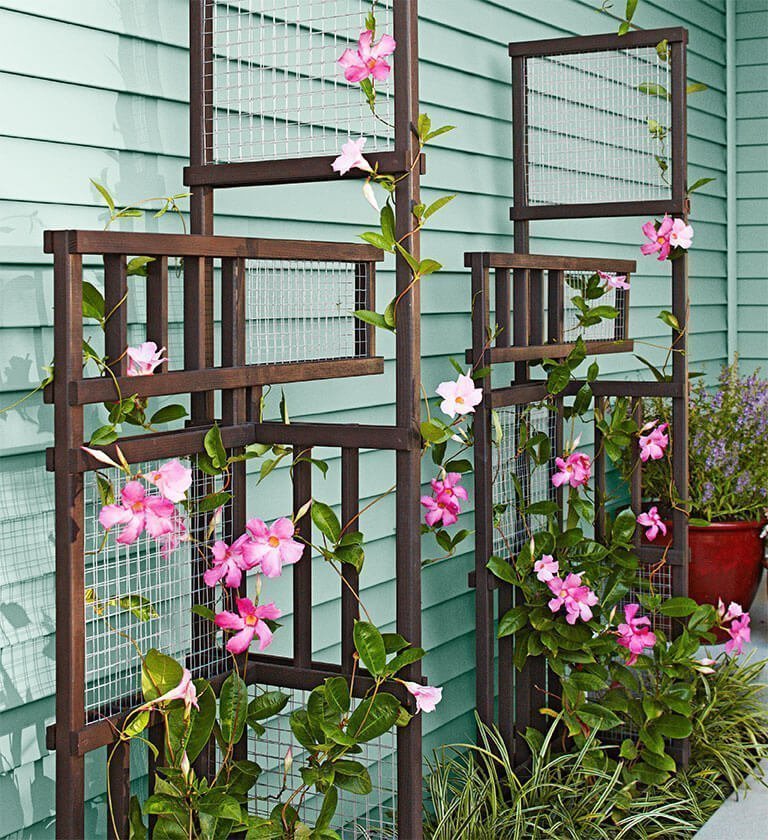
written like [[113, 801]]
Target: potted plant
[[728, 485]]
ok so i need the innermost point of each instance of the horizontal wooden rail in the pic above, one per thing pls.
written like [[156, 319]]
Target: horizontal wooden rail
[[524, 212], [194, 245], [595, 43], [496, 259], [536, 391], [553, 351]]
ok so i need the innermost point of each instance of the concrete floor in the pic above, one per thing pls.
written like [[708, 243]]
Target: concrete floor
[[745, 814]]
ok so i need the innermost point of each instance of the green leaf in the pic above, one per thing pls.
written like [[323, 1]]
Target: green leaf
[[542, 508], [369, 317], [266, 705], [673, 726], [678, 607], [695, 87], [653, 89], [136, 828], [328, 809], [630, 10], [105, 194], [660, 761], [213, 501], [93, 302], [163, 803], [370, 646], [233, 708], [429, 267], [326, 521], [337, 694], [159, 674], [353, 555], [388, 224], [657, 374], [220, 805], [284, 416], [139, 606], [103, 436], [393, 642], [167, 414], [423, 125], [652, 739], [106, 490], [137, 725], [444, 129], [438, 205], [512, 621], [502, 569], [192, 733], [460, 465], [137, 267], [242, 777], [390, 314], [373, 717], [628, 750], [377, 240], [697, 185], [357, 782], [204, 612], [407, 657], [624, 527], [669, 319], [584, 681], [408, 257], [558, 379], [597, 716], [214, 446], [624, 27]]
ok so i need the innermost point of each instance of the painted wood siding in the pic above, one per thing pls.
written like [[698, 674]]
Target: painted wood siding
[[89, 89], [752, 180]]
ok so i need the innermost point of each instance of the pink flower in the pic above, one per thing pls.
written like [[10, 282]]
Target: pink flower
[[734, 611], [229, 562], [635, 634], [653, 444], [441, 508], [136, 512], [614, 281], [274, 547], [653, 523], [427, 696], [185, 691], [451, 487], [574, 470], [659, 238], [576, 598], [368, 59], [739, 632], [173, 480], [351, 157], [459, 397], [547, 568], [144, 359], [170, 542], [681, 235], [248, 624]]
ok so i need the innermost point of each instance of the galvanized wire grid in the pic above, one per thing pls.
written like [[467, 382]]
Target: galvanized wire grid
[[588, 136], [357, 817], [301, 310], [114, 571], [278, 90], [510, 532], [575, 284]]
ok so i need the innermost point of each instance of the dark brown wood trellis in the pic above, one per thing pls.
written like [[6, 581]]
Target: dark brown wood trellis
[[581, 149], [235, 54]]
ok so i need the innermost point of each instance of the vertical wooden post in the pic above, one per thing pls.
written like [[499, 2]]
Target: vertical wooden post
[[157, 301], [302, 571], [119, 790], [116, 312], [350, 586]]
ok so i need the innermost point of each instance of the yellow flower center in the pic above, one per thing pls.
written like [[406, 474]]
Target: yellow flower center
[[251, 620], [137, 507], [274, 542], [460, 400], [660, 240]]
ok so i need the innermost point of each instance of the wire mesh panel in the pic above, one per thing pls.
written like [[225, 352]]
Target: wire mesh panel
[[598, 127], [303, 311], [514, 469], [609, 328], [357, 817], [139, 596], [278, 91]]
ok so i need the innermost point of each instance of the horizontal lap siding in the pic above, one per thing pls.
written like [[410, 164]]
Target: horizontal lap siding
[[752, 181], [90, 91]]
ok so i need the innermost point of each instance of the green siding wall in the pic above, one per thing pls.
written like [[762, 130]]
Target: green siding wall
[[89, 89], [752, 179]]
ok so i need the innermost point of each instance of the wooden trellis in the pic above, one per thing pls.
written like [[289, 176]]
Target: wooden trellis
[[582, 148], [237, 52]]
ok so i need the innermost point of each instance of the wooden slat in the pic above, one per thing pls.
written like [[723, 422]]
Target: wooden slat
[[595, 210], [497, 259], [157, 302], [350, 585], [534, 352], [592, 43], [302, 571], [119, 790], [116, 312]]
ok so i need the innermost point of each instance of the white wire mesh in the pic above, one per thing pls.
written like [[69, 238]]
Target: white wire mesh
[[511, 531], [302, 310], [278, 90], [588, 136], [114, 571], [609, 328], [357, 817]]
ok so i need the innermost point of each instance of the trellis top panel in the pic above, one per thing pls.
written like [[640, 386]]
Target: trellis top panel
[[267, 87], [599, 125]]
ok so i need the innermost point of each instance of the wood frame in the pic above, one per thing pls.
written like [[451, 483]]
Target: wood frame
[[516, 709], [75, 734]]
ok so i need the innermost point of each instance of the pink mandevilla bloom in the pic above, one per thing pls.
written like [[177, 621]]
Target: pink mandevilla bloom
[[230, 561], [652, 523], [172, 540], [739, 632], [574, 470], [734, 611], [441, 508], [681, 235], [459, 397], [576, 598], [659, 238], [450, 486], [185, 691], [138, 511], [173, 480], [635, 633], [249, 623], [351, 157], [144, 359], [546, 568], [654, 443], [274, 546], [613, 281], [427, 696], [368, 59]]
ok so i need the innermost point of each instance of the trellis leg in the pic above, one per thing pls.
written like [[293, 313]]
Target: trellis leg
[[119, 790], [302, 571], [350, 587], [70, 598]]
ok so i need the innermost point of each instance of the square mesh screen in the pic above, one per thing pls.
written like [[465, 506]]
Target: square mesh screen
[[609, 328], [303, 311], [511, 532], [168, 588], [592, 131], [357, 817], [278, 90]]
